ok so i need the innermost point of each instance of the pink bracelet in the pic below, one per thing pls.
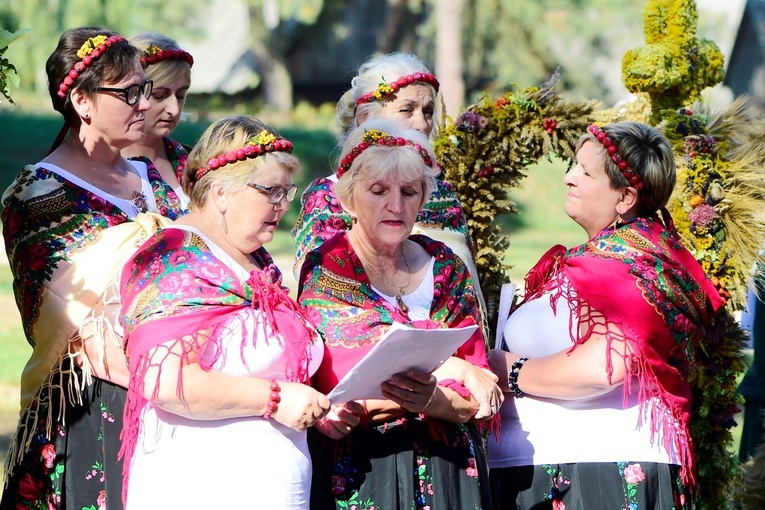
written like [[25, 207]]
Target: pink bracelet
[[274, 399]]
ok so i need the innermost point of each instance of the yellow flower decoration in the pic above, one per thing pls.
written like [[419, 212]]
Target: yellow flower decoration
[[264, 138], [153, 49], [373, 135], [90, 45]]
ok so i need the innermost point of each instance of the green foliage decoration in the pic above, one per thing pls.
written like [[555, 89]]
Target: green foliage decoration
[[674, 66], [8, 74], [484, 153], [717, 206]]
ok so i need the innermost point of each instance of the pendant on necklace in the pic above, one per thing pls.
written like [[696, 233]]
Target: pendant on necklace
[[401, 305], [139, 202]]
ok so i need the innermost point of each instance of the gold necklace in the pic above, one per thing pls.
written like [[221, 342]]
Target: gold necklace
[[401, 290]]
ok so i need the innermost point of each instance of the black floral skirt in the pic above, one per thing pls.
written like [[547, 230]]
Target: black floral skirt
[[401, 465], [590, 485], [77, 468]]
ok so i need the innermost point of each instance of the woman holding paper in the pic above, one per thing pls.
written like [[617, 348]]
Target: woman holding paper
[[219, 352], [417, 447], [602, 344]]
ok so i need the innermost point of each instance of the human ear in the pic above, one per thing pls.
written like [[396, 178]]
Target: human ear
[[81, 102], [629, 199], [218, 197]]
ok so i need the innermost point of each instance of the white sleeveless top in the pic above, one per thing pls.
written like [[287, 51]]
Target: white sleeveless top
[[249, 462]]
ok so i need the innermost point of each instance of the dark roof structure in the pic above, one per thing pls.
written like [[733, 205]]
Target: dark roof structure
[[746, 69]]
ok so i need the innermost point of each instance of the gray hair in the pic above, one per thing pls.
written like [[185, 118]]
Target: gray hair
[[648, 152], [399, 162], [379, 68], [226, 135]]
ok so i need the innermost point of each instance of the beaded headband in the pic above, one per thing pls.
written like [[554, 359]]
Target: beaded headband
[[384, 88], [88, 52], [632, 177], [154, 54], [259, 145], [379, 138]]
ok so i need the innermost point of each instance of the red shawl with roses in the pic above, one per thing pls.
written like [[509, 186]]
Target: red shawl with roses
[[640, 278], [338, 298]]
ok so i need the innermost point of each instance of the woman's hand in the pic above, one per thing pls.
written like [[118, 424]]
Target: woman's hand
[[480, 382], [413, 390], [340, 420], [300, 406]]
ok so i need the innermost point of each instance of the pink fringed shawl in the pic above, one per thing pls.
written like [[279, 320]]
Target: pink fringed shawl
[[641, 279], [176, 292]]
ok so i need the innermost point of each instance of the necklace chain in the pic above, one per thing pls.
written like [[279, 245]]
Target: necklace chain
[[401, 288]]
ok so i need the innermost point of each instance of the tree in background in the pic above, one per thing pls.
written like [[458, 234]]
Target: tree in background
[[47, 19]]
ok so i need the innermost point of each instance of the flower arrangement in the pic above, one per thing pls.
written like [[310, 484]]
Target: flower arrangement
[[484, 153], [674, 66]]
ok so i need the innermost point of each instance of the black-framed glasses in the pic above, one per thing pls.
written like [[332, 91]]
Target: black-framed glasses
[[133, 93], [276, 194]]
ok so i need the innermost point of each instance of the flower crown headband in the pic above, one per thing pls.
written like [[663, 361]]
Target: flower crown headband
[[385, 88], [632, 177], [379, 138], [259, 145], [88, 52], [153, 54]]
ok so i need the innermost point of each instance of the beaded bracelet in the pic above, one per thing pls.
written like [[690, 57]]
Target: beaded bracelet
[[274, 399], [512, 377]]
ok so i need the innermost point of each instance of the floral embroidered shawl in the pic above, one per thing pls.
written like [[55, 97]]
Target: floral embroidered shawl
[[338, 298], [639, 277], [177, 153], [66, 247], [174, 290]]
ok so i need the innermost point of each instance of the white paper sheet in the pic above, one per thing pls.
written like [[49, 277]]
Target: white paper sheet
[[506, 298], [401, 348]]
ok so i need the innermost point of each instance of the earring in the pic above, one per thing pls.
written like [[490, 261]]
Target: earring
[[223, 223]]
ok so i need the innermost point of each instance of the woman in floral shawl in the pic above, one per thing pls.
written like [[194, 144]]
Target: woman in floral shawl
[[219, 353], [600, 349], [420, 446], [411, 103], [69, 224], [169, 67]]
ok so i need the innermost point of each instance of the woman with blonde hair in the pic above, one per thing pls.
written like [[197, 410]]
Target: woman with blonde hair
[[219, 353], [169, 67]]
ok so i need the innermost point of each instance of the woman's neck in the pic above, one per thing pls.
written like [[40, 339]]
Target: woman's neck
[[209, 223], [151, 147], [383, 259]]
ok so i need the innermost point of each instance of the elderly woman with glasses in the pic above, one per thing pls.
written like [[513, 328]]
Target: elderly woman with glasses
[[69, 223], [219, 353]]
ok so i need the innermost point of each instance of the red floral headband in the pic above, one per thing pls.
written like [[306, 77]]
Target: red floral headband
[[256, 146], [384, 88], [154, 54], [377, 137], [88, 52], [632, 177]]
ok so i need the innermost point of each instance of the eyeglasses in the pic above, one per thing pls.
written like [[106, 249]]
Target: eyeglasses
[[133, 93], [276, 194]]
